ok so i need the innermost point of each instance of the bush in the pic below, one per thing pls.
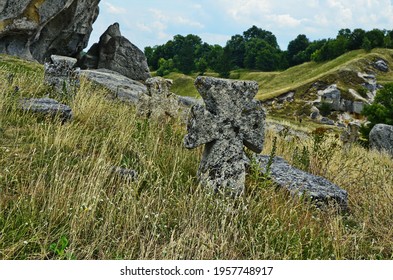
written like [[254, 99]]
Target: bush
[[380, 111]]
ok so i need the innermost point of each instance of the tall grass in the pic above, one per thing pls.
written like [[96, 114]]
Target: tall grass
[[56, 185]]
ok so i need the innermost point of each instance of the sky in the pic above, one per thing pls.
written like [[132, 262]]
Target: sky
[[154, 22]]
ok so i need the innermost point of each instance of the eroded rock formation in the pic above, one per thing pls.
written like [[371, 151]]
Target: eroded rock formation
[[36, 29], [116, 53]]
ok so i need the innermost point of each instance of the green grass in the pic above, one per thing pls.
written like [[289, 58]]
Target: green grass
[[58, 199]]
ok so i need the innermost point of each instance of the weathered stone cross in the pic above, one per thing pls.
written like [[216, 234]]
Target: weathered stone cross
[[230, 119]]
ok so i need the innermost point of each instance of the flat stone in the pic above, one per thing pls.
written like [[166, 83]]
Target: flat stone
[[47, 107], [300, 183], [230, 119], [121, 87]]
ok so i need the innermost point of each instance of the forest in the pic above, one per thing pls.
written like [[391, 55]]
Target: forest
[[257, 49]]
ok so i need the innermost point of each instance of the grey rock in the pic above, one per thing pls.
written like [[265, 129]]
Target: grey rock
[[158, 102], [286, 97], [230, 119], [61, 75], [314, 115], [121, 87], [37, 29], [351, 135], [326, 121], [381, 138], [332, 95], [116, 53], [381, 65], [189, 101], [358, 107], [300, 183], [47, 107], [125, 173]]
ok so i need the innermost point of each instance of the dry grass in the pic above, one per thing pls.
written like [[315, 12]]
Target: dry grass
[[58, 199]]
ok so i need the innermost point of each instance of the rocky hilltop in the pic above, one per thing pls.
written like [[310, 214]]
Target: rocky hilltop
[[36, 29]]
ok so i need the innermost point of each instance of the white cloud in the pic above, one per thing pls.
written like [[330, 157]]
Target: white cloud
[[116, 10], [285, 20], [186, 21], [242, 9]]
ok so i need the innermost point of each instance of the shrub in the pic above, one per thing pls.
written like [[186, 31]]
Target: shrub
[[380, 111]]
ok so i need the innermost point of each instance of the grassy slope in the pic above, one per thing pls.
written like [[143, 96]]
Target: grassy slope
[[56, 186], [272, 84]]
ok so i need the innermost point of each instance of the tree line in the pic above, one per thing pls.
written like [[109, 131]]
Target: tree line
[[257, 49]]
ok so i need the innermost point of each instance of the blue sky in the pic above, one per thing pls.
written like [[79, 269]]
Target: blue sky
[[154, 22]]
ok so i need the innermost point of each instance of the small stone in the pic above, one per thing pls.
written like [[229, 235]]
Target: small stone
[[327, 121], [230, 119], [125, 174]]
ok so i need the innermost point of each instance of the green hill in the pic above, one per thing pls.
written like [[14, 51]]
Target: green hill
[[301, 77]]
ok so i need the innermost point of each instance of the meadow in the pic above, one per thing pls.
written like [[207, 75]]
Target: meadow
[[60, 200]]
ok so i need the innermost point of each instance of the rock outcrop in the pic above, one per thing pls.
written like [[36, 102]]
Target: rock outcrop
[[121, 87], [230, 119], [300, 183], [36, 29], [381, 138], [333, 96], [116, 53], [381, 65]]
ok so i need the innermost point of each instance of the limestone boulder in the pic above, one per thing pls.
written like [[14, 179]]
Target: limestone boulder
[[116, 53], [121, 87], [158, 102], [300, 183], [381, 138], [35, 29], [381, 65]]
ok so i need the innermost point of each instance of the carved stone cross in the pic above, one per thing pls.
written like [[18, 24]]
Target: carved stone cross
[[230, 119]]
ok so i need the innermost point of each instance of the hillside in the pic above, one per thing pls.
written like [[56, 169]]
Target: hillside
[[59, 198], [301, 77]]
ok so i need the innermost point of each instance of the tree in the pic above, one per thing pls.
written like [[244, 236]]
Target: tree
[[223, 66], [256, 32], [380, 111], [201, 66], [295, 49], [366, 45], [237, 50], [185, 49], [356, 39], [165, 67], [376, 38]]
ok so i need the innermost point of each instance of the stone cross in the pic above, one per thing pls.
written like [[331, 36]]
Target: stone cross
[[230, 119]]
